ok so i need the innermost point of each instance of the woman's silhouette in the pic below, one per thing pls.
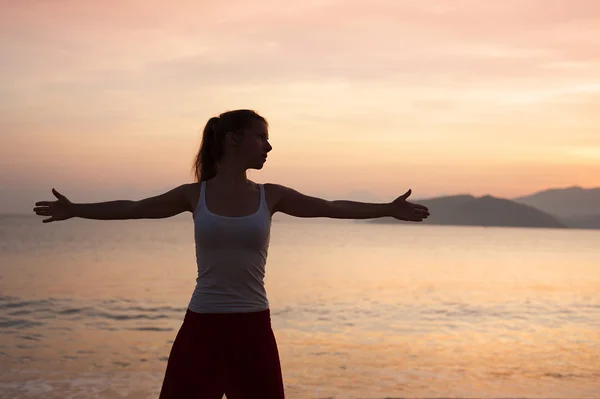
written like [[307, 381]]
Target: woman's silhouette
[[226, 344]]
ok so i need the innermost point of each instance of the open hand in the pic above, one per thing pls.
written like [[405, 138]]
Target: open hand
[[407, 211], [62, 209]]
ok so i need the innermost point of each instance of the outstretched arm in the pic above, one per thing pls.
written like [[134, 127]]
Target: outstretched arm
[[294, 203], [165, 205]]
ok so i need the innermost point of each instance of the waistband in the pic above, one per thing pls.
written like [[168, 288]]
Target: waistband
[[236, 319]]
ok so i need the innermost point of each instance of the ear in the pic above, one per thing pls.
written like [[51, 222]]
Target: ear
[[230, 138], [233, 139]]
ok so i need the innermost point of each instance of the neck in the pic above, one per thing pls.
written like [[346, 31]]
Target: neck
[[230, 176]]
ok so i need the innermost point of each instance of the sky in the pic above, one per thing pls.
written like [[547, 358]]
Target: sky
[[365, 99]]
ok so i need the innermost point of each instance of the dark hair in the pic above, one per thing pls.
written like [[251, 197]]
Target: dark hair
[[212, 148]]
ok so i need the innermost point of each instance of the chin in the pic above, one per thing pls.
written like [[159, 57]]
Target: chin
[[257, 166]]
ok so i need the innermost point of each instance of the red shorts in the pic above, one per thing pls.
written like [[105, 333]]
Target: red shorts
[[224, 353]]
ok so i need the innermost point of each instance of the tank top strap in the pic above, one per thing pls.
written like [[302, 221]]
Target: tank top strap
[[263, 199], [202, 201]]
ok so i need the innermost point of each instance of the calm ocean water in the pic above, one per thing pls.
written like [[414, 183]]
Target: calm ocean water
[[91, 308]]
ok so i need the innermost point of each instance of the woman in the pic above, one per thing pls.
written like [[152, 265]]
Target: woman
[[225, 344]]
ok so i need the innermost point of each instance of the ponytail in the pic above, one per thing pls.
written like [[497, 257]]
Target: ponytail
[[205, 163]]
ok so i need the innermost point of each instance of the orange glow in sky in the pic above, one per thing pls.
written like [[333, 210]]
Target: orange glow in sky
[[444, 97]]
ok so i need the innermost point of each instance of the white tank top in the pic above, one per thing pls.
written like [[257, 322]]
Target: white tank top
[[231, 254]]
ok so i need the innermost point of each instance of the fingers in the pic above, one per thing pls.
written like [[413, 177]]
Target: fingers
[[406, 194], [420, 211], [44, 203], [419, 215], [48, 220], [42, 210], [417, 206]]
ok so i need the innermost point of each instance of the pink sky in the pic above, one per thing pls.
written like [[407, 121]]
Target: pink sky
[[444, 97]]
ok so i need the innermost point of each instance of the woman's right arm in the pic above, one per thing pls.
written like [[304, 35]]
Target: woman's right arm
[[165, 205]]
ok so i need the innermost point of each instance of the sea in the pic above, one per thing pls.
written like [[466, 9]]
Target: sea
[[90, 309]]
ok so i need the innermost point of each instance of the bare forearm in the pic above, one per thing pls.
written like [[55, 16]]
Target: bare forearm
[[342, 209], [111, 210]]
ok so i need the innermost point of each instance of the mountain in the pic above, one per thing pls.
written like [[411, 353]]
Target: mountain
[[566, 203], [583, 222], [467, 210]]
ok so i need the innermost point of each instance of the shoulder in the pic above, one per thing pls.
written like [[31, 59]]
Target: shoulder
[[190, 188], [275, 190], [191, 192], [275, 187], [275, 193]]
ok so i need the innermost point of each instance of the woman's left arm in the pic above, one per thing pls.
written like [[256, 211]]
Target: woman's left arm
[[294, 203]]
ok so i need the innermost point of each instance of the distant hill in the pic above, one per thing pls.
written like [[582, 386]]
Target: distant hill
[[583, 222], [566, 203], [467, 210]]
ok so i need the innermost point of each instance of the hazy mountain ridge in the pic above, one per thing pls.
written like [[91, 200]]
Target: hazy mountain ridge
[[573, 207], [583, 222], [466, 210], [565, 203]]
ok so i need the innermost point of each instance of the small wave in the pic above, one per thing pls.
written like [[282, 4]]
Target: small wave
[[70, 311], [150, 329], [281, 312], [20, 312], [562, 376], [123, 317], [117, 300], [147, 309], [19, 323], [12, 302], [33, 337]]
